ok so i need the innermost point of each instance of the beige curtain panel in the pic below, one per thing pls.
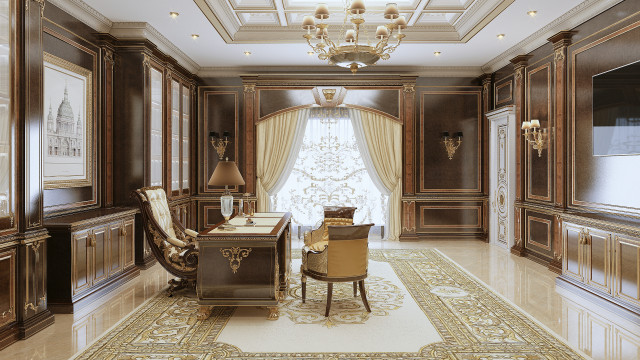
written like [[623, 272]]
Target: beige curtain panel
[[275, 138], [383, 137]]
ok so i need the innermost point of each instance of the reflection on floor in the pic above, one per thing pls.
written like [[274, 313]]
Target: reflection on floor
[[529, 285]]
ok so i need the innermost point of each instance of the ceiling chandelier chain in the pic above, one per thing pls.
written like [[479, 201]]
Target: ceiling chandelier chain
[[346, 50]]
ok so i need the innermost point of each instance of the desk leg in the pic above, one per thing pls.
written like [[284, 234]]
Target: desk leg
[[204, 311], [274, 313]]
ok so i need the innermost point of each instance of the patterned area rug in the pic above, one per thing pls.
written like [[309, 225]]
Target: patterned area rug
[[421, 302]]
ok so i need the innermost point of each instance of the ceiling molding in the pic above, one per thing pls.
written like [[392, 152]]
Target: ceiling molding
[[85, 13], [571, 19], [430, 71], [142, 30], [224, 19]]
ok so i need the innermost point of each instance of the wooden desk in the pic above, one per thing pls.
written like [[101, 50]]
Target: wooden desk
[[248, 266]]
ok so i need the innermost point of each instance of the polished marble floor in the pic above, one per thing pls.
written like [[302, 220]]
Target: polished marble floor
[[594, 330]]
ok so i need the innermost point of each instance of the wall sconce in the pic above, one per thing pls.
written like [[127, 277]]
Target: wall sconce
[[537, 138], [450, 144], [219, 143]]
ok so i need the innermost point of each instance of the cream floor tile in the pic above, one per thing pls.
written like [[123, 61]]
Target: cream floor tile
[[529, 285]]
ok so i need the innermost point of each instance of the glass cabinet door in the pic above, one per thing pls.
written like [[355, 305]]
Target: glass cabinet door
[[186, 113], [156, 144], [7, 120], [175, 137]]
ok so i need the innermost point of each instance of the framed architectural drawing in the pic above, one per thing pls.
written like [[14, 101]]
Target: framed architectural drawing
[[68, 127]]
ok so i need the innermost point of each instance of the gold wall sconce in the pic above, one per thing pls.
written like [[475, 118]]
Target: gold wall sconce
[[534, 135], [450, 143], [219, 143]]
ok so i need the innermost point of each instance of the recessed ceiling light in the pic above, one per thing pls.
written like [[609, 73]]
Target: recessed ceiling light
[[174, 14], [500, 36], [532, 13], [247, 53], [437, 53], [195, 36]]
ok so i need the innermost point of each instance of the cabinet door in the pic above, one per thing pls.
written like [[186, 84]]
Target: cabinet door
[[80, 262], [129, 243], [100, 245], [7, 287], [573, 260], [598, 252], [627, 269], [33, 262], [115, 247], [8, 104]]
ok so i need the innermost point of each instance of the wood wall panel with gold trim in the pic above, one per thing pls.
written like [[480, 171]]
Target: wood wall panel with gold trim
[[209, 213], [539, 98], [503, 92], [450, 109], [626, 264], [449, 218], [275, 100], [539, 232], [220, 110], [603, 183], [77, 46]]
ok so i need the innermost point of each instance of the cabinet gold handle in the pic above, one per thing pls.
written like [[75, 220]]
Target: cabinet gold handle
[[7, 313], [123, 231]]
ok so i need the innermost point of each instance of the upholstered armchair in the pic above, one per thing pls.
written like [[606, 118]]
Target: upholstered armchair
[[344, 259], [172, 245], [317, 238]]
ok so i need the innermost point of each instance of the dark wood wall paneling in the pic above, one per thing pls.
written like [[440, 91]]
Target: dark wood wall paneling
[[69, 39], [451, 194], [220, 109], [554, 84]]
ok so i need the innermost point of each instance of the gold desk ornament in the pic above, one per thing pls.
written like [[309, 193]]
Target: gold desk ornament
[[450, 144], [235, 256]]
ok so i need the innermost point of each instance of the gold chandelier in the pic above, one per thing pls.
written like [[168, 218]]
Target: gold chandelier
[[348, 52]]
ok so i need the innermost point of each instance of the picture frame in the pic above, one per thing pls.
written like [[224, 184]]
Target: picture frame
[[68, 124]]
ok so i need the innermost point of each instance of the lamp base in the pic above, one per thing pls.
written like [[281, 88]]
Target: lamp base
[[227, 226]]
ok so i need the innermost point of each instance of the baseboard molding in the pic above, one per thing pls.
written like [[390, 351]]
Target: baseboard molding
[[34, 324]]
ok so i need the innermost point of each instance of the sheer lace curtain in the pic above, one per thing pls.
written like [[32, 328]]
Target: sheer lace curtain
[[329, 170]]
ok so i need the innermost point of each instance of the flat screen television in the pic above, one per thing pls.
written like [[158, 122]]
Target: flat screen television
[[616, 111]]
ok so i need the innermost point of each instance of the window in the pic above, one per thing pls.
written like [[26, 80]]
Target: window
[[329, 170]]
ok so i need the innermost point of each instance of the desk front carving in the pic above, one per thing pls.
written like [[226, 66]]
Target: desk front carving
[[249, 266]]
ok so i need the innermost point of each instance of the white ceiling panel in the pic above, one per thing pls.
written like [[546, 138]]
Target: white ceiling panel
[[450, 4], [339, 4], [258, 18], [252, 4], [438, 17]]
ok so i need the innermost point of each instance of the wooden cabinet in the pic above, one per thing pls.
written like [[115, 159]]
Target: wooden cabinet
[[603, 258], [152, 128], [7, 287], [90, 253]]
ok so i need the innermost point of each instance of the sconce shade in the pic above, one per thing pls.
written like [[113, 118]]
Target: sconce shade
[[459, 134], [214, 134], [445, 134], [226, 173]]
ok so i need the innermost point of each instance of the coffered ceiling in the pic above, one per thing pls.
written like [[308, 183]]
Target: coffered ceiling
[[279, 21], [464, 32]]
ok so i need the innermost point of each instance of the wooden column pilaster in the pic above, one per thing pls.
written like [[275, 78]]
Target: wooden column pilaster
[[560, 43], [519, 65], [408, 209], [486, 101], [249, 135]]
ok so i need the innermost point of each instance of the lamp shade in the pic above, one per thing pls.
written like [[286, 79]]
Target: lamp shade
[[226, 173]]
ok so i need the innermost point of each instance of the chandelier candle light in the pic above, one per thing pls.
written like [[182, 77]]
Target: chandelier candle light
[[534, 136], [349, 52]]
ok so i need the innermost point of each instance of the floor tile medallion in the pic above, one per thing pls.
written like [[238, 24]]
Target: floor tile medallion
[[424, 306]]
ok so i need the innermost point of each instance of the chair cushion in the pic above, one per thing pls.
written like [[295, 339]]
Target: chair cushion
[[334, 221], [319, 246], [160, 209]]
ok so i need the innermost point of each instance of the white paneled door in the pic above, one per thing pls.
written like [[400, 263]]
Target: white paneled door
[[502, 187]]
